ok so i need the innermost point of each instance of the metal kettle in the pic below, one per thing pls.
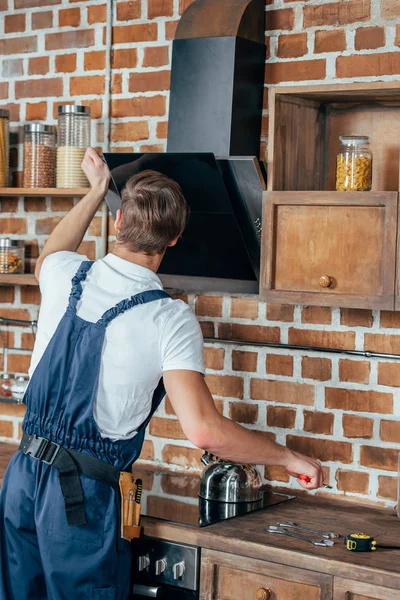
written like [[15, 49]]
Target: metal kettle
[[228, 482]]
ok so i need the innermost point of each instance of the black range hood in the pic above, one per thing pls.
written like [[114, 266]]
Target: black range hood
[[220, 250]]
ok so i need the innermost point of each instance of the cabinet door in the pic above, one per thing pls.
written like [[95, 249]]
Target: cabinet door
[[346, 589], [230, 577], [329, 248]]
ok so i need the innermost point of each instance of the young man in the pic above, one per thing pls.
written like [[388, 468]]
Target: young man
[[104, 342]]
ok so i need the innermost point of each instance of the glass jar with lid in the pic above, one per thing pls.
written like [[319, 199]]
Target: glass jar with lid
[[39, 156], [4, 120], [74, 124], [18, 388], [6, 382], [12, 256], [354, 164]]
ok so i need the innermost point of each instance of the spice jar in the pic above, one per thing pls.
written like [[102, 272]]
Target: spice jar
[[354, 164], [12, 256], [18, 388], [73, 139], [4, 118], [39, 156], [6, 381]]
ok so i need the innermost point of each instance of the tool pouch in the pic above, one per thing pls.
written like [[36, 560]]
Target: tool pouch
[[130, 509]]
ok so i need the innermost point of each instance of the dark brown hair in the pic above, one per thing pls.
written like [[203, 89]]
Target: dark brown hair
[[154, 213]]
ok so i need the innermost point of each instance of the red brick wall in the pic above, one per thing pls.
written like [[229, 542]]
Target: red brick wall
[[344, 411]]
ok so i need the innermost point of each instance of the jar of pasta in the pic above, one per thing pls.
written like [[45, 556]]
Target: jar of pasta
[[39, 156], [73, 138], [12, 256], [4, 118], [354, 164]]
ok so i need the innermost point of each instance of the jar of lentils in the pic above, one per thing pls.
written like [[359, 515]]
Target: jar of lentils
[[74, 124], [4, 119], [12, 256], [39, 156], [354, 164]]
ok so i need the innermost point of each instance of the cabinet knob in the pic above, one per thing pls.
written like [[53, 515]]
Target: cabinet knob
[[263, 594], [325, 281]]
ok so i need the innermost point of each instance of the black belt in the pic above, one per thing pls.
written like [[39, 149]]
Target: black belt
[[70, 464]]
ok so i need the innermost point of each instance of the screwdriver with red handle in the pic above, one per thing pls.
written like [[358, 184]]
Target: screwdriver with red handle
[[307, 479]]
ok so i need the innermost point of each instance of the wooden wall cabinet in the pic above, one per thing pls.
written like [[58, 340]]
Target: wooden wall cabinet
[[345, 589]]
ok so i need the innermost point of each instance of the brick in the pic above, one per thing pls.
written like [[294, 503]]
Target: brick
[[389, 374], [229, 386], [70, 39], [88, 249], [282, 391], [242, 412], [3, 91], [36, 112], [46, 225], [251, 333], [94, 61], [357, 427], [152, 148], [13, 225], [147, 452], [280, 312], [13, 67], [6, 429], [65, 63], [170, 29], [244, 308], [139, 106], [18, 45], [244, 361], [87, 85], [299, 70], [9, 205], [379, 458], [209, 306], [344, 340], [156, 56], [279, 19], [208, 329], [38, 65], [359, 400], [130, 132], [281, 417], [160, 8], [128, 11], [321, 449], [96, 107], [390, 9], [330, 41], [277, 364], [131, 34], [264, 126], [162, 130], [12, 410], [354, 317], [275, 473], [354, 370], [116, 86], [390, 431], [97, 14], [38, 88], [149, 82], [317, 315], [33, 3], [166, 428], [34, 204], [7, 294], [27, 341], [214, 358], [318, 422], [42, 20], [369, 38], [182, 457], [387, 487], [69, 17], [125, 58], [336, 13], [352, 481], [14, 23], [183, 5], [30, 294], [368, 65], [386, 344], [390, 319], [316, 368], [61, 204], [292, 46], [19, 363]]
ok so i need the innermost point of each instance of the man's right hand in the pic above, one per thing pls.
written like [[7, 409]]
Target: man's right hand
[[96, 171], [297, 464]]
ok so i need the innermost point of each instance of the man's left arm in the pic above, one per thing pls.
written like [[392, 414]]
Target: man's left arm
[[69, 233]]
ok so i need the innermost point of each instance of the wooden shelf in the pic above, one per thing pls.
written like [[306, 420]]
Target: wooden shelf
[[64, 192], [23, 279]]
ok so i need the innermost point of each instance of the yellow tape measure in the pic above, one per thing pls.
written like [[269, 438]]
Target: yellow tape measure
[[360, 542]]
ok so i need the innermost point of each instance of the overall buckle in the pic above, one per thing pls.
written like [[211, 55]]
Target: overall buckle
[[38, 449]]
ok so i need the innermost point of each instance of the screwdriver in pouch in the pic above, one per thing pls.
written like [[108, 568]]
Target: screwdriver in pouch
[[307, 479]]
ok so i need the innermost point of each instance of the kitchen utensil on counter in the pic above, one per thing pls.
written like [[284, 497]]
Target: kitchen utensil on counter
[[281, 531], [74, 124], [354, 164], [4, 119], [228, 482], [307, 479], [12, 256], [18, 388], [290, 525], [362, 542]]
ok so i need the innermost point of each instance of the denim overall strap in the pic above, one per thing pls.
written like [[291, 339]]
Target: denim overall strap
[[76, 291], [124, 305]]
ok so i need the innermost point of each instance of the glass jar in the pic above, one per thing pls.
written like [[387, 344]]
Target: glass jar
[[12, 256], [354, 164], [4, 119], [39, 156], [73, 138], [18, 388], [6, 382]]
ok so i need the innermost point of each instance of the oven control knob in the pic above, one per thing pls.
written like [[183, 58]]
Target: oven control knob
[[178, 570], [143, 562], [160, 566]]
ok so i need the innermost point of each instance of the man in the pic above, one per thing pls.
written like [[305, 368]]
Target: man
[[104, 342]]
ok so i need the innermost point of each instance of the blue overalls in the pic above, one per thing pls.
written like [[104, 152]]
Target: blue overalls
[[42, 557]]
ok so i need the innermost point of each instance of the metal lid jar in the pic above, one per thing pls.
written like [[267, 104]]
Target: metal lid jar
[[354, 164], [74, 123], [39, 156], [12, 256], [4, 121]]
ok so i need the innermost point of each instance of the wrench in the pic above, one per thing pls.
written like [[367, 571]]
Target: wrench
[[279, 530], [290, 525]]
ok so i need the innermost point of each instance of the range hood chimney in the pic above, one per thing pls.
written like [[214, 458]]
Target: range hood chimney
[[217, 82]]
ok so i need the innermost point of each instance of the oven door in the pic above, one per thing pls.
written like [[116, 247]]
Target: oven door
[[166, 592]]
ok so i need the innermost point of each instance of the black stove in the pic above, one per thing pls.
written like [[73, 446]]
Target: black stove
[[175, 497]]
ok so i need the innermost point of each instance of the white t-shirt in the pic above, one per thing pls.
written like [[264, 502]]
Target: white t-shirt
[[139, 344]]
